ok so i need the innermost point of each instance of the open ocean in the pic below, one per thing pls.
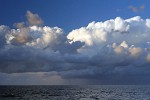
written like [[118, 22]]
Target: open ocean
[[93, 92]]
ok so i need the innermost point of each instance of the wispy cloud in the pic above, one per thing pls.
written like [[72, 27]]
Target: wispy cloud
[[136, 9], [34, 19]]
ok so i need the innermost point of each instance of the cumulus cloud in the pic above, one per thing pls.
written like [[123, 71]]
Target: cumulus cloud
[[101, 51], [19, 25], [148, 57], [34, 19], [3, 31], [114, 47]]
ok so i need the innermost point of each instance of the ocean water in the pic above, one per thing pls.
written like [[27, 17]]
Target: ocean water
[[93, 92]]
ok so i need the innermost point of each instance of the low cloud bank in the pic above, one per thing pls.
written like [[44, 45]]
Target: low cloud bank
[[101, 51]]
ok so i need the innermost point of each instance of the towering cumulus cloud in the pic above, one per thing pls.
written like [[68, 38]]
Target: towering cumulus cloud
[[114, 51]]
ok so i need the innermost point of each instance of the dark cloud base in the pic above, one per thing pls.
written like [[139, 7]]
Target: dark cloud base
[[111, 52]]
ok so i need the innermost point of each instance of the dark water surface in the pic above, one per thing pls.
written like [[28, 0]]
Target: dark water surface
[[96, 92]]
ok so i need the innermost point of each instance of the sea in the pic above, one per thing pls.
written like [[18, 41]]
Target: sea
[[70, 92]]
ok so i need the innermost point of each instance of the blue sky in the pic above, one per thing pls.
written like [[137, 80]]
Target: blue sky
[[70, 14], [95, 42]]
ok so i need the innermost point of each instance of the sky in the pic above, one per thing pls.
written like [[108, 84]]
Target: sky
[[71, 14], [74, 42]]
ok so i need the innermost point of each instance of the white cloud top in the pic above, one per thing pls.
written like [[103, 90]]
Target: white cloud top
[[101, 50]]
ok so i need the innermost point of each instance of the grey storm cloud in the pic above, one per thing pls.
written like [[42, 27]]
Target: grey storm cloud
[[102, 51]]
